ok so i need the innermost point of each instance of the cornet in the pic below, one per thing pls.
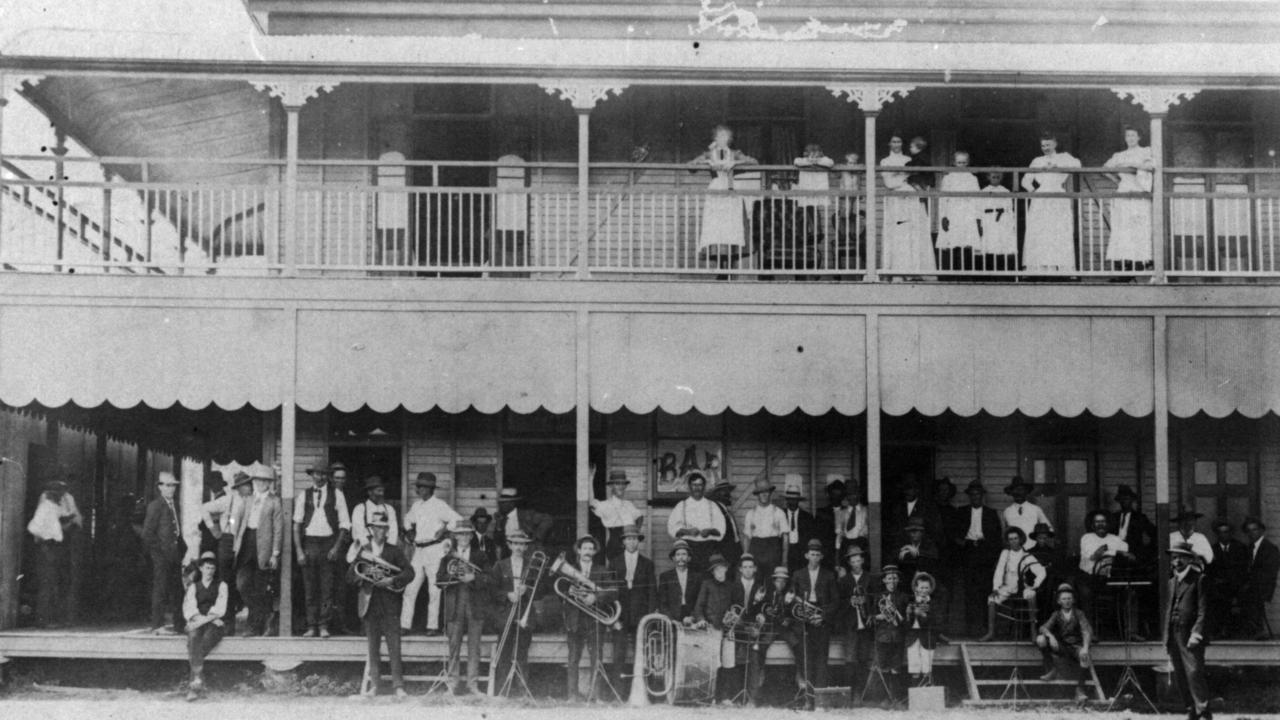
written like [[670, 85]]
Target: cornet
[[888, 611]]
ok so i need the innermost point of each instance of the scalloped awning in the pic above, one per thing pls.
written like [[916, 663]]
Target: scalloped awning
[[423, 360], [1224, 365], [1001, 365], [124, 356], [744, 363]]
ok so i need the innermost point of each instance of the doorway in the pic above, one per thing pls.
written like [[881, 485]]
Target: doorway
[[544, 474], [365, 461], [450, 226], [899, 461]]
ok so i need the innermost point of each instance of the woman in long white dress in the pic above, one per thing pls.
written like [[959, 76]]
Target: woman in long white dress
[[1130, 241], [722, 238], [1050, 240], [908, 247]]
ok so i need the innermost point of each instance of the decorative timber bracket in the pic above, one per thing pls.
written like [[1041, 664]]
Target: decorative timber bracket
[[11, 84], [1155, 100], [870, 98], [293, 92], [582, 96]]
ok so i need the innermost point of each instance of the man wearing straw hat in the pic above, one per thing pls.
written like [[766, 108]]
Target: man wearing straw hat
[[616, 513], [465, 601], [678, 587], [512, 515], [426, 526], [378, 603], [815, 585], [1186, 636], [764, 529], [226, 515], [637, 591], [801, 525], [321, 525], [258, 558], [162, 535], [511, 582]]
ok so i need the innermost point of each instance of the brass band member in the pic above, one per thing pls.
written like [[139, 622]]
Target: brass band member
[[203, 607], [855, 591], [678, 587], [780, 624], [582, 630], [709, 611], [765, 527], [465, 591], [890, 612], [815, 586], [748, 593], [378, 603], [1064, 641], [508, 584], [638, 591], [921, 634]]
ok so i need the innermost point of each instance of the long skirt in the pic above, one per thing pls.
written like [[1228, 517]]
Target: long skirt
[[1130, 231], [1050, 231], [908, 248]]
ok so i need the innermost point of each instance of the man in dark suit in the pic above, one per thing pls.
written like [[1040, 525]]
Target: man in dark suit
[[512, 515], [1187, 638], [816, 586], [378, 604], [731, 541], [678, 587], [1225, 575], [748, 592], [831, 519], [516, 588], [482, 540], [801, 528], [911, 505], [464, 603], [1260, 579], [978, 542], [1134, 527], [637, 591], [162, 536], [583, 630]]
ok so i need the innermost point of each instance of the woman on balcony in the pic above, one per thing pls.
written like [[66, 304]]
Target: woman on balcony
[[908, 248], [722, 237], [1129, 247], [1049, 242]]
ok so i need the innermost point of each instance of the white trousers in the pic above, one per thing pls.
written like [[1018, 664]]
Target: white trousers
[[919, 660], [425, 563]]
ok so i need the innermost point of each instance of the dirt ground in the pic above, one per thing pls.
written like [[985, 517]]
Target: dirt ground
[[108, 705]]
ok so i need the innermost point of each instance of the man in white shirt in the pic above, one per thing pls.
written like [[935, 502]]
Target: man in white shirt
[[615, 511], [697, 521], [1010, 578], [375, 493], [225, 516], [1187, 533], [512, 515], [321, 525], [426, 525], [1095, 548], [764, 529], [1022, 513]]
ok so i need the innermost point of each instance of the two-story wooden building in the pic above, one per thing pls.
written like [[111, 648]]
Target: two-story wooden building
[[466, 238]]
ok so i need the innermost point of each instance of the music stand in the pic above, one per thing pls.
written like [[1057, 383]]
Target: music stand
[[1129, 678], [598, 669], [515, 672], [744, 694], [874, 674]]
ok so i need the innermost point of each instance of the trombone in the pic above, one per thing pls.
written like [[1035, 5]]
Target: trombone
[[535, 565]]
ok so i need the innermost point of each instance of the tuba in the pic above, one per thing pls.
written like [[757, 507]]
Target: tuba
[[373, 569], [673, 663], [573, 586]]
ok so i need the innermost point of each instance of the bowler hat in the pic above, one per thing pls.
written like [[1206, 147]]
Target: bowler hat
[[854, 549], [975, 486], [722, 486], [335, 467], [762, 485], [374, 481], [314, 471], [240, 478], [585, 539], [208, 556], [888, 570], [813, 545], [1124, 491], [914, 523], [1186, 514], [717, 559], [679, 545], [1041, 529], [1065, 587], [215, 479], [480, 513], [618, 477], [747, 556], [781, 572], [836, 484]]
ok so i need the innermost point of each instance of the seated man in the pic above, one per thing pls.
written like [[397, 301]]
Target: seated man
[[1011, 578], [1064, 641], [1098, 551], [203, 607]]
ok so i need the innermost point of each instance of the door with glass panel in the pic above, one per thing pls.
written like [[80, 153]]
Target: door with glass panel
[[1221, 485], [1065, 490]]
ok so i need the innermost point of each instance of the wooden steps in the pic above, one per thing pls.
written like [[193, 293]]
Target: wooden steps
[[1021, 685]]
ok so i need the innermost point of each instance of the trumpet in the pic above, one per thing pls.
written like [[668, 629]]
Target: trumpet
[[373, 569], [888, 611], [806, 612], [574, 587], [457, 569]]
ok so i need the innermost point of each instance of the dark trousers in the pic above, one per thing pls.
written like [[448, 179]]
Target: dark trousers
[[978, 567], [317, 580], [1066, 661], [815, 642], [1188, 670], [469, 620], [227, 574], [54, 574], [200, 642], [768, 554], [700, 554], [517, 648], [166, 588], [622, 641], [254, 583], [858, 650], [376, 628], [1253, 614], [587, 635]]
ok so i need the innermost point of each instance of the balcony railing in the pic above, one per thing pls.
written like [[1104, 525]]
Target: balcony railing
[[435, 218]]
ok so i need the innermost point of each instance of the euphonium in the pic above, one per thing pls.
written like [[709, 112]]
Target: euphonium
[[373, 569], [457, 568], [806, 612], [573, 586]]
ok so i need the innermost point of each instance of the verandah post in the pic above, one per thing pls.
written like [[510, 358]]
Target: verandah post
[[873, 491]]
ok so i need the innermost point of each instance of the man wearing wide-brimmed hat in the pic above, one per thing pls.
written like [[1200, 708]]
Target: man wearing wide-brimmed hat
[[515, 588], [731, 542], [637, 591], [698, 521], [162, 536], [855, 603], [1022, 512], [1186, 633], [678, 587], [615, 511], [801, 525], [465, 601], [816, 585], [379, 602], [375, 501], [1133, 526], [764, 529], [321, 526], [979, 542], [426, 527], [909, 505], [258, 558], [513, 514], [53, 526], [226, 515], [582, 631], [1187, 533]]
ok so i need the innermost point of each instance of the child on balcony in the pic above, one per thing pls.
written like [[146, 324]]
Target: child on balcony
[[958, 235]]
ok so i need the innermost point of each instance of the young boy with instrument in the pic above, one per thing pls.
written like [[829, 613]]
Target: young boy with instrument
[[382, 572], [921, 636], [465, 589], [855, 588], [891, 609]]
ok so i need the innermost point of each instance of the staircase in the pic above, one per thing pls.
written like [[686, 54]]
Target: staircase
[[1007, 674]]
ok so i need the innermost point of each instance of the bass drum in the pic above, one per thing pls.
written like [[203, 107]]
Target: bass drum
[[697, 660]]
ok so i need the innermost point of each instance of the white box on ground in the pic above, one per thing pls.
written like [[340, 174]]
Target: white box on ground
[[927, 698]]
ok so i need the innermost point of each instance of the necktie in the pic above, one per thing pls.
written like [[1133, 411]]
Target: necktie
[[177, 531], [793, 520], [1019, 511]]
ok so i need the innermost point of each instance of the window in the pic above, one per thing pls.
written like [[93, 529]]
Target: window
[[1065, 491], [1223, 486]]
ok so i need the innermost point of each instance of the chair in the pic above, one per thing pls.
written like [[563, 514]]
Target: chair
[[1105, 597], [1020, 616]]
